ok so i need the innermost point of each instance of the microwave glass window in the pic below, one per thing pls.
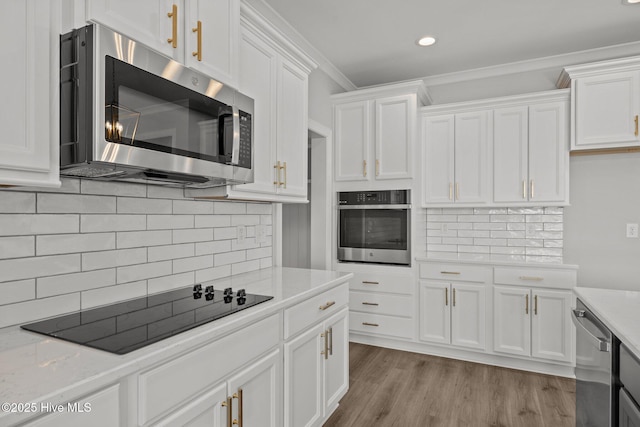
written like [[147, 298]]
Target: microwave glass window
[[374, 228], [148, 111]]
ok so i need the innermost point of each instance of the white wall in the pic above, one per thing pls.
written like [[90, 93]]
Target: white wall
[[321, 87]]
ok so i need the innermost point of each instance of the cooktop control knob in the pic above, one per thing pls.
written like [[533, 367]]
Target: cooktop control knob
[[197, 291], [208, 293], [241, 293], [228, 291]]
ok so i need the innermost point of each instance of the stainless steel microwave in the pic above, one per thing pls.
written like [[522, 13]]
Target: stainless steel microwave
[[129, 113]]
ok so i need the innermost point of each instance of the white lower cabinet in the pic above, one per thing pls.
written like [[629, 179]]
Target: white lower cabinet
[[205, 411], [533, 322], [316, 371], [453, 313]]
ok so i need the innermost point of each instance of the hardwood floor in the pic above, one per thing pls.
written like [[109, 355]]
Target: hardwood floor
[[396, 388]]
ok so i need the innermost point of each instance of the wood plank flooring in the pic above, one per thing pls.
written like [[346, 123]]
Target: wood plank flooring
[[390, 388]]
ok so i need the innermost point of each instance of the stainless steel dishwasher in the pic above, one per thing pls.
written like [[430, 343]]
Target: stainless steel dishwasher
[[595, 382]]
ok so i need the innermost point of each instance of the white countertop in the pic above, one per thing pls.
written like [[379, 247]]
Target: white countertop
[[496, 259], [38, 369], [618, 310]]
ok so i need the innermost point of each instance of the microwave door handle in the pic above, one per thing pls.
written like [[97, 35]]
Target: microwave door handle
[[235, 150]]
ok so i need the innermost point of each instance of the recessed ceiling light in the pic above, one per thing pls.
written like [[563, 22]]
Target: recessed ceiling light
[[630, 1], [428, 40]]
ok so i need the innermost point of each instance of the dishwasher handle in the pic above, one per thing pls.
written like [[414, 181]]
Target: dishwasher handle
[[578, 316]]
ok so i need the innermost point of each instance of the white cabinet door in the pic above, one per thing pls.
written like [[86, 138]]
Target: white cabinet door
[[471, 157], [395, 122], [353, 129], [219, 25], [292, 141], [255, 393], [510, 154], [547, 152], [606, 107], [146, 21], [439, 161], [303, 377], [511, 320], [258, 77], [336, 368], [208, 410], [468, 315], [435, 317], [551, 327], [29, 148]]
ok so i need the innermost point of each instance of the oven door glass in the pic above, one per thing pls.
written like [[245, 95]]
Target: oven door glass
[[148, 111], [374, 228]]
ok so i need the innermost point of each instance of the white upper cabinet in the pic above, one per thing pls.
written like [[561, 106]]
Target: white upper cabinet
[[375, 133], [530, 153], [605, 103], [29, 148], [456, 158], [201, 34]]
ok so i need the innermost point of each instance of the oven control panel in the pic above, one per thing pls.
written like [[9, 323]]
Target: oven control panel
[[388, 197]]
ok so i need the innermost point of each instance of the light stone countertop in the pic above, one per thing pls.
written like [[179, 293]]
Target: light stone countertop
[[495, 259], [38, 369], [618, 310]]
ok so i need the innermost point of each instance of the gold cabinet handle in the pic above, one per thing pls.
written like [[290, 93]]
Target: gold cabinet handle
[[377, 167], [325, 352], [278, 167], [524, 189], [531, 278], [457, 191], [238, 396], [367, 282], [229, 405], [535, 305], [450, 272], [370, 303], [174, 26], [330, 341], [370, 324], [327, 305], [446, 296], [531, 190], [636, 120], [364, 168], [451, 191], [454, 297], [526, 304], [198, 30], [284, 166]]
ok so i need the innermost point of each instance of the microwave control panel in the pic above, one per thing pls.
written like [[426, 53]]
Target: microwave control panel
[[244, 160], [388, 197]]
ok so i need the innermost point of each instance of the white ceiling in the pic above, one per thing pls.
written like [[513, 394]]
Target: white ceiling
[[373, 42]]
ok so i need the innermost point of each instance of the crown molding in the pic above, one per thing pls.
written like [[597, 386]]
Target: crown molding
[[402, 88], [286, 31]]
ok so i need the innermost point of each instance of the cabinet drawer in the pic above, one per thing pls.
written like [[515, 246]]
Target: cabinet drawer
[[397, 284], [455, 272], [397, 327], [394, 305], [535, 277], [164, 387], [314, 310], [630, 372]]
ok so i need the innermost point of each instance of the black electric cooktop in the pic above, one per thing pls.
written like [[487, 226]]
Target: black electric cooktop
[[130, 325]]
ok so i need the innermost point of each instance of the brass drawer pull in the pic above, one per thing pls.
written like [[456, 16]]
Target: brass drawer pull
[[450, 272], [198, 30], [327, 305], [370, 324], [174, 26], [454, 297], [370, 303], [238, 396], [366, 282], [229, 405], [364, 168], [636, 120], [535, 305], [526, 304], [532, 278], [446, 296], [330, 331], [325, 352]]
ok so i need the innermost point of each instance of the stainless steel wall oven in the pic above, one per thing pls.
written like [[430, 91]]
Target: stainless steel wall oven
[[374, 227]]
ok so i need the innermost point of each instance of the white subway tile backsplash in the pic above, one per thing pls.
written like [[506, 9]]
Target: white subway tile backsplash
[[520, 232], [11, 202], [115, 258], [17, 247], [111, 294], [92, 243], [75, 282], [27, 311], [21, 224], [29, 268], [75, 203], [134, 205], [71, 243], [111, 222], [21, 290]]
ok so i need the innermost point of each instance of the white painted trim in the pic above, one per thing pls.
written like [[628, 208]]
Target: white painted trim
[[595, 68], [402, 88]]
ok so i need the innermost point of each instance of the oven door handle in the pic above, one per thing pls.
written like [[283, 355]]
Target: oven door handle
[[342, 207], [578, 317]]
